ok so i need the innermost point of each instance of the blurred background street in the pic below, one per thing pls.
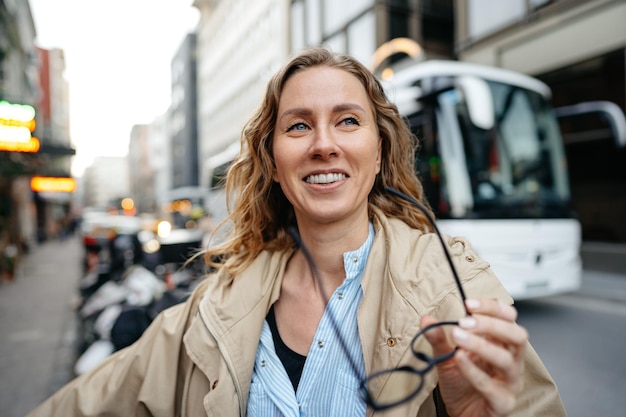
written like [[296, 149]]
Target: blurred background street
[[117, 127]]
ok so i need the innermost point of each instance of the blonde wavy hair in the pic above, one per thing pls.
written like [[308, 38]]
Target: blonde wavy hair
[[260, 214]]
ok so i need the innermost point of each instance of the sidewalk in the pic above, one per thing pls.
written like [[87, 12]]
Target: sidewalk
[[38, 326]]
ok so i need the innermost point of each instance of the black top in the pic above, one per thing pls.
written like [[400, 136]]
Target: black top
[[292, 361]]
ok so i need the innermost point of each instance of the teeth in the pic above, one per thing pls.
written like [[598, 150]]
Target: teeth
[[325, 178]]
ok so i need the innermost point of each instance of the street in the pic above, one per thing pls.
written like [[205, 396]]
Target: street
[[579, 336], [581, 340]]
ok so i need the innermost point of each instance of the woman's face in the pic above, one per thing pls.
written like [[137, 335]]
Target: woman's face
[[326, 145]]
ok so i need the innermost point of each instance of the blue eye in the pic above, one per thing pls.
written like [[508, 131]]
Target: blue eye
[[297, 126], [350, 121]]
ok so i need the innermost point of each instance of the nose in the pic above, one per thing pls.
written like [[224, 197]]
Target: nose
[[324, 144]]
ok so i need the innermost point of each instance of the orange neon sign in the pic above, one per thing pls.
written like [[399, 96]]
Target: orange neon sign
[[32, 145], [28, 124], [53, 184]]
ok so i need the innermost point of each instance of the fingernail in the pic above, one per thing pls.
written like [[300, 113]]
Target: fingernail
[[459, 334], [467, 322], [472, 303]]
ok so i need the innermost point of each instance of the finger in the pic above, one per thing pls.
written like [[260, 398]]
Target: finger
[[505, 333], [491, 307], [436, 337], [501, 396], [494, 321], [501, 360]]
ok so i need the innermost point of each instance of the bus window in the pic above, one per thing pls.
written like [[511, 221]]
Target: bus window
[[515, 169]]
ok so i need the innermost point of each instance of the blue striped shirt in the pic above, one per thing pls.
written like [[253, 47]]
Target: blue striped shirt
[[329, 385]]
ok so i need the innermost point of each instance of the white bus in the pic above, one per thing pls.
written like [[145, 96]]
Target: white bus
[[493, 165]]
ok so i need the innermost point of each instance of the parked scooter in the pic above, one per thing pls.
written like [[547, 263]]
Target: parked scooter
[[117, 314], [122, 298]]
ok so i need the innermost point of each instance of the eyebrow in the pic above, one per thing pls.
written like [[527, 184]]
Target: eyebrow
[[336, 109]]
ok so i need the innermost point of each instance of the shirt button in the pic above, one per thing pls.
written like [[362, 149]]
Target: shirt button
[[340, 296], [320, 344], [263, 363], [355, 259]]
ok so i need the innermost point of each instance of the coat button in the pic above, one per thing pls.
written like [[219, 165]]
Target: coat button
[[469, 258], [391, 342], [214, 384]]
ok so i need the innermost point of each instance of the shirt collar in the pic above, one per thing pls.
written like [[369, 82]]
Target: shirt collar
[[354, 261]]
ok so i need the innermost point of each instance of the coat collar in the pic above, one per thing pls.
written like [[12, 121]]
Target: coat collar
[[231, 315]]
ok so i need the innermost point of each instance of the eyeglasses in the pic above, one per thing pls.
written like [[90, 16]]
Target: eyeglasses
[[389, 388]]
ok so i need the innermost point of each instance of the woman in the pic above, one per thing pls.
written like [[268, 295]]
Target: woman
[[323, 283]]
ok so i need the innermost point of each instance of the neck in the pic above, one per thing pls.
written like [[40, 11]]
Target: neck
[[327, 244]]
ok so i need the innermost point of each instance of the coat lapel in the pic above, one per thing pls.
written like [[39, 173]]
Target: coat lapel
[[230, 321]]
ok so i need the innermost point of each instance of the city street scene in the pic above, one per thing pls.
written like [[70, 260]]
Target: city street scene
[[120, 126]]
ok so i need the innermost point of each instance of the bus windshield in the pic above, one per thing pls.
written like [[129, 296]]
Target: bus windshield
[[516, 169]]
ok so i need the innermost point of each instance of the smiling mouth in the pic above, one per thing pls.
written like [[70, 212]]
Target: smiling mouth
[[325, 178]]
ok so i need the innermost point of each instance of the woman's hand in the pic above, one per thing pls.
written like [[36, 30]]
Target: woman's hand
[[485, 375]]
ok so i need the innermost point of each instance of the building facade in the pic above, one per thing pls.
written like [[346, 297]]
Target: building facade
[[19, 84], [31, 77], [140, 171], [359, 27], [53, 131], [241, 43], [183, 112], [106, 180]]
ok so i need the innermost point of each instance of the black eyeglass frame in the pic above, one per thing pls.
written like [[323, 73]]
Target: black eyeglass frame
[[430, 362]]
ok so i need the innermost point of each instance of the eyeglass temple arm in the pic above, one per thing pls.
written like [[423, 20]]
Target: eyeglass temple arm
[[293, 232], [434, 225]]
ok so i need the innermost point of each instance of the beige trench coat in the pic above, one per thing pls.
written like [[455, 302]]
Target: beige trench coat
[[197, 357]]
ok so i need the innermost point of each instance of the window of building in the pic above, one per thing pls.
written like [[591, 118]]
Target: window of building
[[313, 24], [337, 43], [297, 25], [487, 16], [362, 38], [337, 15]]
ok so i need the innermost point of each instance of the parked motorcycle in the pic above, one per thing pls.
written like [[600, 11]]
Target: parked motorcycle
[[145, 275]]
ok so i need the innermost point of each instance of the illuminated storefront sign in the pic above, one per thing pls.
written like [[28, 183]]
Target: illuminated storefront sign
[[31, 146], [19, 112], [53, 184], [17, 122]]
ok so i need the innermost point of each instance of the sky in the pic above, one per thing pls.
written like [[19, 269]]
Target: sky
[[117, 55]]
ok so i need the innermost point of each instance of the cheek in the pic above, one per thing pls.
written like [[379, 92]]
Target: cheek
[[281, 165], [276, 158]]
